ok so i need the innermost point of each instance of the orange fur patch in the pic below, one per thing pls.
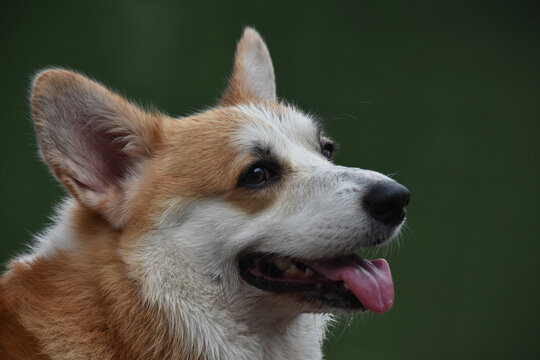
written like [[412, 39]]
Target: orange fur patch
[[15, 341], [197, 159], [253, 201], [83, 305]]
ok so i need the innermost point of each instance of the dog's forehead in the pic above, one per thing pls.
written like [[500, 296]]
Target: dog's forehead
[[282, 128]]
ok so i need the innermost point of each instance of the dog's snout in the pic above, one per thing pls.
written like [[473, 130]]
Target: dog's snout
[[386, 202]]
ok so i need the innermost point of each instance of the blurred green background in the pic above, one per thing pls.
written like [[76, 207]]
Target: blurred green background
[[444, 95]]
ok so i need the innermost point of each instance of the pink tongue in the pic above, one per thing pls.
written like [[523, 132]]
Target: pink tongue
[[369, 280]]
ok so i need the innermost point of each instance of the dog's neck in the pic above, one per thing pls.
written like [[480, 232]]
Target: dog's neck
[[186, 322], [219, 320]]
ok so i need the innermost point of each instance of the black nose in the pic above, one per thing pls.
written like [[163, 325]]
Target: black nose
[[386, 202]]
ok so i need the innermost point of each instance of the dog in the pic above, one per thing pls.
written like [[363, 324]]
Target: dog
[[228, 234]]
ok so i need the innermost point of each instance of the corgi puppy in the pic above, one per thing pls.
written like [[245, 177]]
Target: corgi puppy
[[228, 234]]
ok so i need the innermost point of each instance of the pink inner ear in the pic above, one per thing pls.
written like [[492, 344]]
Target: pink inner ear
[[114, 163], [87, 134], [99, 154]]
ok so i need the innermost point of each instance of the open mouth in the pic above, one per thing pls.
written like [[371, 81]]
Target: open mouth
[[349, 282]]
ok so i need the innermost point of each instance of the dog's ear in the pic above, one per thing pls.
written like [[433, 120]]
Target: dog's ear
[[253, 75], [92, 139]]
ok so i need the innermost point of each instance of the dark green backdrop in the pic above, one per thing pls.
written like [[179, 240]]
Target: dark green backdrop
[[443, 94]]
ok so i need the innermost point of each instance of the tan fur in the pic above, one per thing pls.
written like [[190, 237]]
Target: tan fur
[[253, 202], [15, 341], [197, 159], [85, 302]]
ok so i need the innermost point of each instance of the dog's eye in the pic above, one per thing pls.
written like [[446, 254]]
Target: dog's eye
[[328, 150], [257, 175]]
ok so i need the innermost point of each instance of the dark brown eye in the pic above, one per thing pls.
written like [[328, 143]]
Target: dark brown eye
[[257, 175], [328, 151]]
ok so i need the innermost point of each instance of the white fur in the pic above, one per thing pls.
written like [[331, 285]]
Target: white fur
[[188, 261], [58, 236], [317, 216], [257, 71], [230, 323]]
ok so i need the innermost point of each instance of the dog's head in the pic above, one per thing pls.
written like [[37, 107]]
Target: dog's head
[[240, 202]]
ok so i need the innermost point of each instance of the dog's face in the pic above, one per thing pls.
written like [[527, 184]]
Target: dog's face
[[240, 202]]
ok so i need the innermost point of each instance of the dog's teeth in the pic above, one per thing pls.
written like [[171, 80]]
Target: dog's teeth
[[308, 272], [292, 270], [282, 263], [346, 286]]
